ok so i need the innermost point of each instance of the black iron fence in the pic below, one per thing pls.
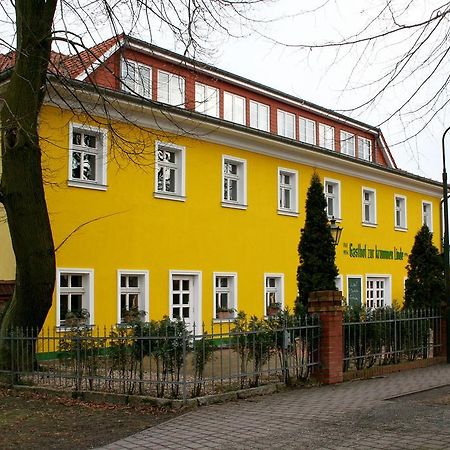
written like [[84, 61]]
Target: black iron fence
[[387, 336], [164, 358]]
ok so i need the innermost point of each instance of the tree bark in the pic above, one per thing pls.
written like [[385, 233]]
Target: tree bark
[[21, 185]]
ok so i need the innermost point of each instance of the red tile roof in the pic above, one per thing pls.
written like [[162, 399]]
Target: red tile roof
[[69, 65]]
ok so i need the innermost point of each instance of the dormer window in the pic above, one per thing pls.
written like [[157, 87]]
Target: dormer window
[[136, 78]]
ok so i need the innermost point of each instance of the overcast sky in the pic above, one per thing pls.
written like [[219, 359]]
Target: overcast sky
[[336, 78]]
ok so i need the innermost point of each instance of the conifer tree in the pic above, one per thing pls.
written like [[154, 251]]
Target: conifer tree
[[317, 270], [425, 286]]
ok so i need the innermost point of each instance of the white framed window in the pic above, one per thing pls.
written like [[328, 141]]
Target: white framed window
[[378, 291], [400, 212], [307, 130], [364, 149], [133, 295], [136, 78], [286, 124], [75, 297], [234, 182], [234, 108], [326, 136], [87, 157], [207, 99], [225, 295], [333, 198], [171, 89], [273, 292], [185, 298], [287, 191], [347, 143], [259, 115], [169, 171], [338, 282], [369, 206], [427, 215]]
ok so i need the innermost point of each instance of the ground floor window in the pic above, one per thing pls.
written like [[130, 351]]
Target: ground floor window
[[225, 303], [75, 297], [378, 292], [133, 296], [273, 294]]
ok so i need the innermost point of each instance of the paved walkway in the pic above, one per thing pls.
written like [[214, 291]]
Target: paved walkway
[[357, 414]]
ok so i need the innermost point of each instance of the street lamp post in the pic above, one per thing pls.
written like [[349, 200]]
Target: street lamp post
[[336, 231], [446, 253]]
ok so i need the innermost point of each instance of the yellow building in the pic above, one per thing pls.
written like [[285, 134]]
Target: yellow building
[[181, 190]]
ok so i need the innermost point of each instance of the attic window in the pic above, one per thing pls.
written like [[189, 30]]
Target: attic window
[[136, 78]]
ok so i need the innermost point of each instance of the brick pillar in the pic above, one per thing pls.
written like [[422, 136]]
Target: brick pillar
[[328, 305]]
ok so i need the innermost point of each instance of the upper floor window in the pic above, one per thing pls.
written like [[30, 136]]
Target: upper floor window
[[286, 124], [225, 296], [427, 215], [326, 136], [169, 171], [133, 296], [333, 198], [87, 157], [400, 212], [347, 143], [75, 297], [136, 78], [207, 99], [259, 116], [369, 206], [171, 89], [287, 191], [364, 148], [234, 182], [234, 108], [307, 132]]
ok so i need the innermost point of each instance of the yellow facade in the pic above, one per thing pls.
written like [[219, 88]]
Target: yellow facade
[[126, 228]]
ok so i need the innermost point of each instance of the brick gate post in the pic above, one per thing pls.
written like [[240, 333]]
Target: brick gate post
[[328, 305]]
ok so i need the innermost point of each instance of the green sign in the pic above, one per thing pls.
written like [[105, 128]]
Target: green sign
[[363, 251], [354, 291]]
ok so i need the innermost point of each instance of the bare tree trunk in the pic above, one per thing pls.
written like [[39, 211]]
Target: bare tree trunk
[[21, 186]]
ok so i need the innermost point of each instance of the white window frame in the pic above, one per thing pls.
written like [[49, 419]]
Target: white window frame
[[231, 115], [364, 148], [143, 291], [403, 214], [279, 288], [282, 128], [136, 86], [256, 120], [101, 161], [174, 82], [372, 222], [197, 295], [339, 283], [179, 166], [337, 198], [293, 174], [232, 291], [241, 177], [348, 143], [305, 134], [326, 141], [207, 99], [429, 213], [387, 278], [88, 292]]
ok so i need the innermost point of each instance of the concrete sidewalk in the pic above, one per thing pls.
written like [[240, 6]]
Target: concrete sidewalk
[[358, 414]]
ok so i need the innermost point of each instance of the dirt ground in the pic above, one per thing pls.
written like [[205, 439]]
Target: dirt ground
[[38, 422]]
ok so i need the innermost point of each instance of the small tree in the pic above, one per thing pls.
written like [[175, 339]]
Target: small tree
[[317, 270], [425, 285]]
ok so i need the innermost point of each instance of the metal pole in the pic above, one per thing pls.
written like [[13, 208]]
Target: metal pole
[[446, 253]]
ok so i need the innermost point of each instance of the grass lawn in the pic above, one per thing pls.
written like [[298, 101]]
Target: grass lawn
[[38, 421]]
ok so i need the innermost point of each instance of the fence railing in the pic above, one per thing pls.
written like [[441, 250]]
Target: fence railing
[[387, 336], [165, 358]]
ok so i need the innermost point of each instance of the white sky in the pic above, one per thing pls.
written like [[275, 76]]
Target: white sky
[[333, 78]]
